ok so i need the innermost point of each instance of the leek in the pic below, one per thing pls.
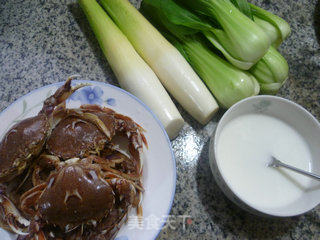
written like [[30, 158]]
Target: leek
[[132, 72], [271, 71], [228, 83], [166, 61], [240, 40]]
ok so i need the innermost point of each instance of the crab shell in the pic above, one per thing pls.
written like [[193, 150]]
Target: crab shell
[[20, 144], [74, 195], [74, 137]]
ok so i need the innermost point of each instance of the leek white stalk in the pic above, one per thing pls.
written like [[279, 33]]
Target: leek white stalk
[[170, 66], [132, 72]]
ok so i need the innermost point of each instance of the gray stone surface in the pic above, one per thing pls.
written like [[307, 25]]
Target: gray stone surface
[[43, 42]]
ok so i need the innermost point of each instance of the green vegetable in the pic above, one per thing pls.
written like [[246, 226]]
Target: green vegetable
[[271, 71], [174, 72], [275, 27], [240, 40], [228, 83]]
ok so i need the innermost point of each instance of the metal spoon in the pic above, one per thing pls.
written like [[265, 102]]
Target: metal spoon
[[276, 163]]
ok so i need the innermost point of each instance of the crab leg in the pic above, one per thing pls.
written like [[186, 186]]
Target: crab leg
[[39, 236], [29, 198], [12, 217], [44, 161]]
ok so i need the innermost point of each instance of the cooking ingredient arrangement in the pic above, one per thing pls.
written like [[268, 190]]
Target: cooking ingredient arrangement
[[230, 45], [76, 173]]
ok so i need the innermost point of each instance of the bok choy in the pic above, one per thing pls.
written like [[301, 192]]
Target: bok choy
[[271, 71], [166, 61], [132, 72], [228, 83], [276, 28], [240, 39]]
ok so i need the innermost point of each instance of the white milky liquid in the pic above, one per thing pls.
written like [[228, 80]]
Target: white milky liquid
[[244, 149]]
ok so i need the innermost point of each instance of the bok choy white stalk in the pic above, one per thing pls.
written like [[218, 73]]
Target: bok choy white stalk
[[240, 40], [228, 83], [271, 71], [166, 61], [132, 72]]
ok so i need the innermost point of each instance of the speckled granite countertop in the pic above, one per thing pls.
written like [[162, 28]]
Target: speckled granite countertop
[[42, 42]]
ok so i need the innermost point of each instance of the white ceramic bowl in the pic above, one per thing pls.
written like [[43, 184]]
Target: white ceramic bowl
[[159, 175], [291, 113]]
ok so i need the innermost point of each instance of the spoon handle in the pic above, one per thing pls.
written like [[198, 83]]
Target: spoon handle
[[276, 163]]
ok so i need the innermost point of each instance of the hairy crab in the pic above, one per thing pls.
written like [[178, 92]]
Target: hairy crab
[[70, 173]]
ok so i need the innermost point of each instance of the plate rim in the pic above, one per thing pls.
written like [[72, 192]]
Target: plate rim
[[19, 99]]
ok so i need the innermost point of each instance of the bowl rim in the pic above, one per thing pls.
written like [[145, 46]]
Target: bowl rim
[[219, 127], [57, 84]]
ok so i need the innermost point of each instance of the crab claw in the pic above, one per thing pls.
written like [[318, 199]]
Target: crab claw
[[11, 216], [60, 96]]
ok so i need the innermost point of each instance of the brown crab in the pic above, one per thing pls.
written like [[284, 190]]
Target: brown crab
[[78, 193], [73, 175], [26, 139]]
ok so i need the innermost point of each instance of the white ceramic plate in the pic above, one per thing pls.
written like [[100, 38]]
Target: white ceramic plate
[[159, 175]]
